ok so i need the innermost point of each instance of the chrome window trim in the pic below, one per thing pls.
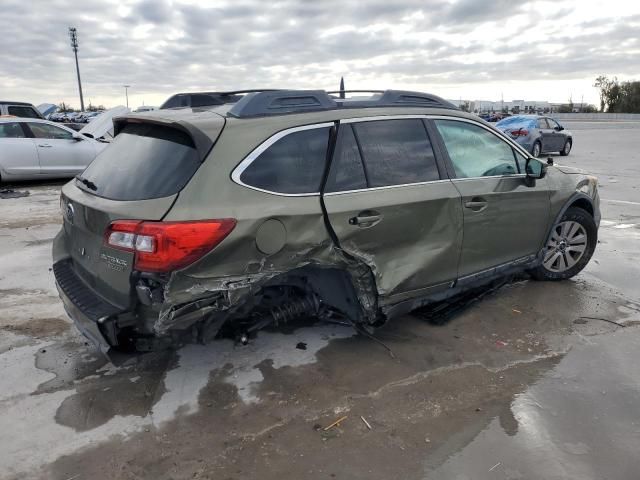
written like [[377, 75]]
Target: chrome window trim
[[382, 117], [255, 153], [466, 179], [386, 187], [244, 164], [489, 128]]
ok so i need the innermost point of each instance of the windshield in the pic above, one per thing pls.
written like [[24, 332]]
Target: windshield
[[512, 122], [144, 161]]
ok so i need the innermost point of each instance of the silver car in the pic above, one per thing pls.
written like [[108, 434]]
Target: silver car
[[31, 149], [537, 134]]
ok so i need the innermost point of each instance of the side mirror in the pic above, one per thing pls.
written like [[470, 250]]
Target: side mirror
[[559, 128], [535, 170], [78, 137]]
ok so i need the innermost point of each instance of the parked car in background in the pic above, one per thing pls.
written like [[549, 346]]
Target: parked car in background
[[292, 203], [200, 99], [19, 109], [537, 134], [31, 149]]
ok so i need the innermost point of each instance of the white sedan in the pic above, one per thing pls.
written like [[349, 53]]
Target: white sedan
[[31, 149]]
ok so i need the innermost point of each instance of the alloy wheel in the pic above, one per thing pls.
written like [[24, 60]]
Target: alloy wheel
[[565, 247], [536, 150]]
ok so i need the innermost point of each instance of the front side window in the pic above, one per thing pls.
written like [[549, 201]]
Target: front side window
[[294, 164], [474, 151], [44, 130], [24, 112], [396, 152], [11, 130]]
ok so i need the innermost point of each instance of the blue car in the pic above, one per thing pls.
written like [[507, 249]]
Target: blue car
[[537, 134]]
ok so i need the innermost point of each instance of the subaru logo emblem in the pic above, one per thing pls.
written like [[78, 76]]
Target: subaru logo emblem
[[69, 212]]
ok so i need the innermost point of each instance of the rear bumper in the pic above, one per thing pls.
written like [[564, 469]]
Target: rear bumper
[[92, 315]]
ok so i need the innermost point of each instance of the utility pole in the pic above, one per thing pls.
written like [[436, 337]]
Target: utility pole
[[126, 93], [73, 36]]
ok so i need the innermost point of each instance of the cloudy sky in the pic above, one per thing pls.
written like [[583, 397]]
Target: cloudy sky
[[470, 49]]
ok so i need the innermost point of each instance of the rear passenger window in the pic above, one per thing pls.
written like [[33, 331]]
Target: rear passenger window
[[11, 130], [347, 172], [294, 164], [396, 152]]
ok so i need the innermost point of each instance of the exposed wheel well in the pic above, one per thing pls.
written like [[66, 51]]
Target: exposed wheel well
[[584, 204]]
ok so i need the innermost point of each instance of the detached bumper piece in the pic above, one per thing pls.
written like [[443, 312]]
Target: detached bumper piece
[[92, 315]]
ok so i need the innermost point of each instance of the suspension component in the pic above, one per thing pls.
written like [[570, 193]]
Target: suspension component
[[308, 305]]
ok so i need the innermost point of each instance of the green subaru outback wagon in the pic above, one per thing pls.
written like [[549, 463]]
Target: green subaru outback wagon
[[280, 204]]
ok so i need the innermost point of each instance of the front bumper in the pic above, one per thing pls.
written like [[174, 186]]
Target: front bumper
[[92, 315]]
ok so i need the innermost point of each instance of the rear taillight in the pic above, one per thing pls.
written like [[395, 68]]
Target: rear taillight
[[167, 246], [521, 132]]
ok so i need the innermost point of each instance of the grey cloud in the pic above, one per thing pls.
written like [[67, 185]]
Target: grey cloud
[[152, 11], [218, 49]]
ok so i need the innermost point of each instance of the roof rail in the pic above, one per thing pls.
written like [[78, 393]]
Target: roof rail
[[279, 102], [205, 99]]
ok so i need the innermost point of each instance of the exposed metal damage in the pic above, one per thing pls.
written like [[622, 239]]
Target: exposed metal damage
[[325, 283]]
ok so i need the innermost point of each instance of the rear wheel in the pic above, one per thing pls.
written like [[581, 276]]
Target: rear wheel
[[566, 149], [536, 150], [569, 247]]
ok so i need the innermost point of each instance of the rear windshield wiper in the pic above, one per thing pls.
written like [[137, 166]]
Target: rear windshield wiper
[[88, 183]]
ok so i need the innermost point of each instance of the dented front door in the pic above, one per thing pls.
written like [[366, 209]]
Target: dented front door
[[389, 206]]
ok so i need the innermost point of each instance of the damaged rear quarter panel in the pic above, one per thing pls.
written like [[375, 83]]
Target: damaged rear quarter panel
[[236, 268]]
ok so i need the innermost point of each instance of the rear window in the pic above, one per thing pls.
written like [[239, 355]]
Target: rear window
[[515, 122], [144, 161], [294, 164]]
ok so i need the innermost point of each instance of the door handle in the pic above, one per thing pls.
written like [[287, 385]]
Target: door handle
[[364, 219], [46, 145], [476, 204]]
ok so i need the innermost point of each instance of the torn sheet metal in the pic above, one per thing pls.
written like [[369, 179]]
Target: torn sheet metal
[[184, 294]]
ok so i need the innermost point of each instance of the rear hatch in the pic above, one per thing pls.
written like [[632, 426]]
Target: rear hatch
[[138, 176]]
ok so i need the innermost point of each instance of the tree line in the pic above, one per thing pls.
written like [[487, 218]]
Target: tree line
[[618, 97]]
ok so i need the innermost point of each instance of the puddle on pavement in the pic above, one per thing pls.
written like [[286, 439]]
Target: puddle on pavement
[[579, 421], [74, 389]]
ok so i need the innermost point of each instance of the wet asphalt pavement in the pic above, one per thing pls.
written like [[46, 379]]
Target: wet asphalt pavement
[[535, 381]]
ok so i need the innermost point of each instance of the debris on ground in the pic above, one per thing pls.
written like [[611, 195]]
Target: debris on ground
[[602, 319], [365, 422], [336, 423], [301, 346], [495, 466], [515, 310], [10, 193]]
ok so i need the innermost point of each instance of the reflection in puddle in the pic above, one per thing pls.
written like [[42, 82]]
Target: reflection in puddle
[[579, 421], [70, 414]]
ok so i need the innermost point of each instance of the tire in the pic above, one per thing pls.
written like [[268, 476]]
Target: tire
[[567, 252], [536, 149], [566, 149]]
